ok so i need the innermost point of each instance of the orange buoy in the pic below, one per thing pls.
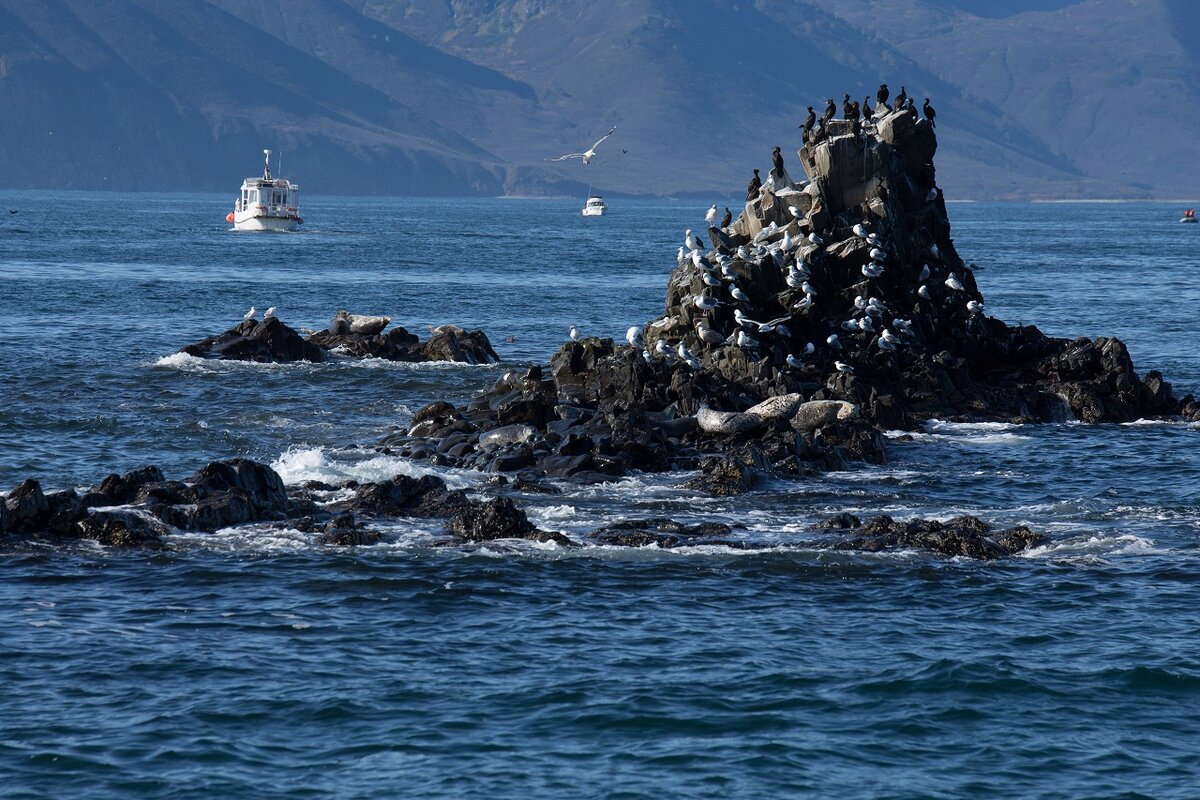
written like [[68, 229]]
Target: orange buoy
[[229, 217]]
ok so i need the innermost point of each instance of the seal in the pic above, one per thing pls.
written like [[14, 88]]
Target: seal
[[727, 422], [344, 322], [781, 407], [819, 413]]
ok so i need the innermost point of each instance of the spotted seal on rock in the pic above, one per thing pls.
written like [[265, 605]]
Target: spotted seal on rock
[[727, 422], [509, 434], [344, 322], [819, 413], [782, 406]]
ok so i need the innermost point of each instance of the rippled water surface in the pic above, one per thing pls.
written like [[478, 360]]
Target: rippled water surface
[[252, 663]]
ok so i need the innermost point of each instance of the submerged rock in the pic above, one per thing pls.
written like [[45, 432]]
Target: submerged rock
[[968, 537]]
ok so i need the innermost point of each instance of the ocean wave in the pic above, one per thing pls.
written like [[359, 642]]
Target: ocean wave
[[190, 363], [299, 464], [1093, 546]]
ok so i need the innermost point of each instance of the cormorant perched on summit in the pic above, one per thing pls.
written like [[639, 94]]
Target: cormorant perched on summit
[[929, 113], [752, 189], [728, 218], [867, 111], [777, 162], [901, 99], [881, 97], [810, 120], [830, 110], [846, 106]]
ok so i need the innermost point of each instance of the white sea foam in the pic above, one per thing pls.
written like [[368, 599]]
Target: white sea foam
[[1095, 546], [318, 464]]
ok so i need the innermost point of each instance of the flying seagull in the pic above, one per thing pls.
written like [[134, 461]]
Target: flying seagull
[[588, 154]]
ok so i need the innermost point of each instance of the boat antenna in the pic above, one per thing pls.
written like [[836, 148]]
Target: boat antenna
[[267, 168], [279, 163]]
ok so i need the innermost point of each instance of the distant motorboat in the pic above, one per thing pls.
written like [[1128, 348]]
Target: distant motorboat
[[594, 207], [266, 203], [1189, 215]]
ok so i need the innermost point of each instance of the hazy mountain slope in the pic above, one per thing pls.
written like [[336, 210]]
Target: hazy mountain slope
[[703, 90], [148, 95], [1057, 98]]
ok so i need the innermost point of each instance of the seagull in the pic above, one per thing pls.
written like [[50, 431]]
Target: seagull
[[711, 216], [874, 239], [634, 337], [812, 237], [924, 276], [974, 306], [808, 289], [885, 344], [903, 325], [647, 357], [833, 342], [693, 363], [679, 257], [889, 337], [795, 212], [743, 340], [794, 362], [795, 279], [662, 349], [707, 334], [574, 334], [691, 241], [588, 154], [860, 303], [954, 283], [804, 302], [850, 325], [872, 270], [738, 294], [843, 367], [270, 312], [775, 325], [923, 292], [860, 231], [786, 244], [710, 279], [250, 314], [683, 352], [809, 349], [877, 254], [706, 303], [933, 248], [867, 324]]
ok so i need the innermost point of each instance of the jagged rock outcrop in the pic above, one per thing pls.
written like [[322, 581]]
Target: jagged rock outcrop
[[348, 336]]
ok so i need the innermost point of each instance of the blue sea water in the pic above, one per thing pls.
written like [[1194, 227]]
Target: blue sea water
[[253, 663]]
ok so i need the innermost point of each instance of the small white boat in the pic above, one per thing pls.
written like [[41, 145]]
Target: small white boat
[[266, 203], [594, 207], [1189, 215]]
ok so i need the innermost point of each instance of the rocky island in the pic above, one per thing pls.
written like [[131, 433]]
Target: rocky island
[[827, 312]]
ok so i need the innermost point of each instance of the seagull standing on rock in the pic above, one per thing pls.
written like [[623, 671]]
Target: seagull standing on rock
[[954, 283], [270, 312], [573, 333], [250, 314], [842, 366], [923, 292], [711, 216], [634, 337]]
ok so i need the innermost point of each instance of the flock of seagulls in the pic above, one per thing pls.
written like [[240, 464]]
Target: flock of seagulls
[[723, 283]]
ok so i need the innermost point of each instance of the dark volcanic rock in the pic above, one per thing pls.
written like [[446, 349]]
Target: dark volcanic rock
[[498, 518], [267, 340], [122, 529], [270, 340], [28, 509], [658, 531], [963, 536]]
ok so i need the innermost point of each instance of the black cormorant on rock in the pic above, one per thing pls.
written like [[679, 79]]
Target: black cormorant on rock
[[755, 185], [777, 161], [930, 114], [830, 110], [728, 218], [881, 96], [901, 99], [846, 107], [867, 111], [810, 120], [854, 112]]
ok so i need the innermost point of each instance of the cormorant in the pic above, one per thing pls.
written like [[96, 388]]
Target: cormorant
[[930, 114], [867, 111], [830, 110], [854, 112], [901, 98], [810, 120], [755, 185], [882, 95], [846, 107], [777, 161], [728, 218]]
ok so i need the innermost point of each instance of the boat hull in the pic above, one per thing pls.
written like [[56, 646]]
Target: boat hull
[[262, 223], [594, 211], [1186, 220]]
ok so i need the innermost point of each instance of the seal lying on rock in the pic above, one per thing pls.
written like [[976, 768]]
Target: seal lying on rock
[[780, 407], [344, 322], [819, 413], [727, 422]]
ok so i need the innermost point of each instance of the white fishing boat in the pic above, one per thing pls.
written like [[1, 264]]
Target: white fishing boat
[[266, 203], [594, 207]]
